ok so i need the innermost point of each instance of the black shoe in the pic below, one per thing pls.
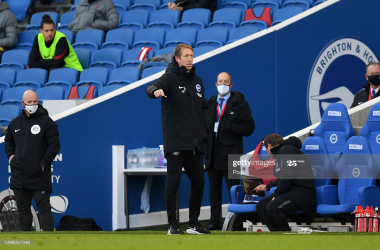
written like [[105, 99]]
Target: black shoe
[[197, 229], [174, 229], [213, 227]]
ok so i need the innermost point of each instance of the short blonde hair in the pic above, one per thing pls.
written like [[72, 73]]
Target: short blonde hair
[[178, 49]]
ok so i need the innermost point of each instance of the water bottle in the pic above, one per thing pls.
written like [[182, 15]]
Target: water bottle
[[163, 162], [135, 159], [304, 230]]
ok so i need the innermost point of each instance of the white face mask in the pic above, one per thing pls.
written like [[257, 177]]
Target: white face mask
[[31, 108], [223, 89]]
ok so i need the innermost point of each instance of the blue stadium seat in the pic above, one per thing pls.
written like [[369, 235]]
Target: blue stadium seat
[[239, 4], [13, 96], [7, 78], [108, 89], [212, 37], [371, 131], [63, 77], [241, 32], [97, 77], [83, 89], [84, 57], [195, 18], [107, 58], [335, 129], [35, 21], [168, 50], [166, 19], [50, 93], [152, 70], [319, 2], [258, 11], [164, 4], [148, 5], [229, 18], [122, 4], [8, 113], [124, 76], [119, 39], [304, 4], [182, 35], [151, 37], [91, 39], [74, 7], [66, 18], [34, 78], [202, 50], [16, 59], [273, 4], [285, 13], [134, 19], [25, 39], [19, 8], [131, 57], [357, 173], [69, 35]]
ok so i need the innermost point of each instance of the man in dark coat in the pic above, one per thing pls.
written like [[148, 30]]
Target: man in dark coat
[[295, 183], [232, 119], [31, 144], [371, 90], [184, 112]]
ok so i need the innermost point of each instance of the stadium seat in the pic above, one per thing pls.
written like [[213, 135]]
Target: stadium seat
[[8, 113], [151, 37], [63, 77], [165, 19], [84, 57], [304, 4], [240, 4], [168, 50], [273, 4], [315, 149], [34, 78], [35, 21], [108, 89], [119, 39], [131, 57], [25, 39], [74, 7], [195, 18], [69, 35], [212, 37], [13, 96], [97, 77], [19, 8], [7, 78], [182, 35], [16, 59], [66, 18], [148, 5], [335, 129], [50, 93], [91, 39], [134, 19], [357, 173], [164, 4], [107, 58], [202, 50], [229, 18], [258, 11], [123, 4], [124, 76], [83, 90], [319, 2], [285, 13], [152, 70], [241, 32]]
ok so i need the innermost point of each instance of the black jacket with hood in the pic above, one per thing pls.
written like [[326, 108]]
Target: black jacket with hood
[[34, 141], [184, 111], [363, 95], [295, 177]]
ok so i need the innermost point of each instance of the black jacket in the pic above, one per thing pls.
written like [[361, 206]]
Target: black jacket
[[363, 95], [184, 111], [192, 4], [295, 177], [34, 141], [235, 123]]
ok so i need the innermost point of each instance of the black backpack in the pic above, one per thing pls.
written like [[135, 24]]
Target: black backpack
[[72, 223]]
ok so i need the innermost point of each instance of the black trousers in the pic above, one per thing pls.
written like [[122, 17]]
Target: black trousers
[[216, 181], [273, 213], [24, 202], [192, 161]]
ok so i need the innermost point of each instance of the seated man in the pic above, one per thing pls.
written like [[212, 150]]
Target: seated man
[[8, 28], [51, 49], [183, 5], [95, 14]]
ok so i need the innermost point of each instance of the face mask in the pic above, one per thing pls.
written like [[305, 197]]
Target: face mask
[[374, 79], [31, 108], [223, 89]]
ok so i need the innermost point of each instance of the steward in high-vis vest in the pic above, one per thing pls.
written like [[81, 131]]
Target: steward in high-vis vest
[[51, 49]]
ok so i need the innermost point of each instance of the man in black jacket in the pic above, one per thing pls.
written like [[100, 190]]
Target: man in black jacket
[[183, 5], [371, 90], [295, 183], [232, 119], [31, 144], [184, 112]]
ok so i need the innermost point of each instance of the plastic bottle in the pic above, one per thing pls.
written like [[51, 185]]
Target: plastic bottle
[[163, 162], [304, 230]]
